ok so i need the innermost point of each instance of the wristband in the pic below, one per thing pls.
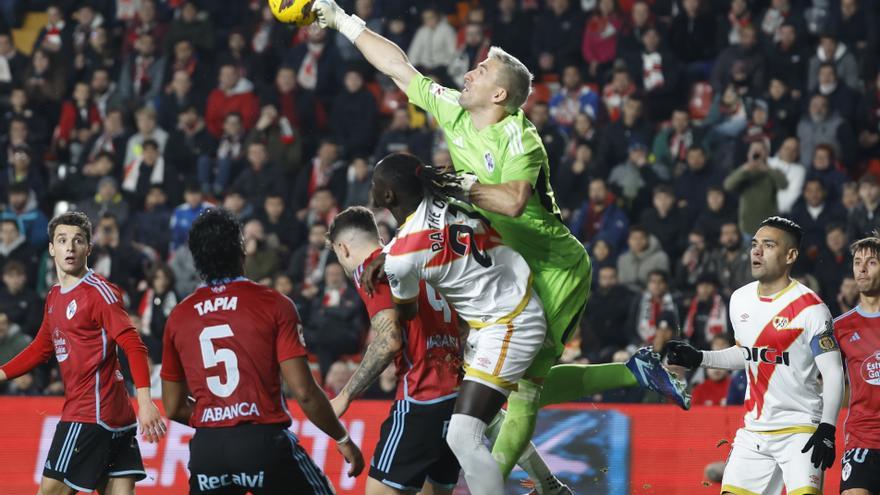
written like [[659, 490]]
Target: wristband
[[351, 26], [344, 439]]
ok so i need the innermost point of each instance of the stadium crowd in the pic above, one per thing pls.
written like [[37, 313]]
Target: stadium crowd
[[672, 129]]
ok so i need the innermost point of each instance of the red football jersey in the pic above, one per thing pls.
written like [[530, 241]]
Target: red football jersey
[[429, 367], [80, 325], [226, 341], [858, 334]]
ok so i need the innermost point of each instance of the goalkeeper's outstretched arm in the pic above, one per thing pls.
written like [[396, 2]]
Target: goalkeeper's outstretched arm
[[382, 53]]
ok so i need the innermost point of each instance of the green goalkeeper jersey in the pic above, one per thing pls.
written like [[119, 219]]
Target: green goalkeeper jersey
[[507, 151]]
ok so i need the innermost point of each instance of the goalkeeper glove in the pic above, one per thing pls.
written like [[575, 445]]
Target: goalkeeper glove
[[332, 16], [822, 443], [682, 354]]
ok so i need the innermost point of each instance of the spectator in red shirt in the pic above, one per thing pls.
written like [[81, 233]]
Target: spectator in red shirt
[[233, 94]]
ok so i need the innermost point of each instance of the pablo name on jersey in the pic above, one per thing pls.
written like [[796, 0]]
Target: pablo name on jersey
[[218, 304], [230, 412]]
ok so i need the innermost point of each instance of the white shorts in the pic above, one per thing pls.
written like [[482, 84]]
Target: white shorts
[[498, 355], [764, 463]]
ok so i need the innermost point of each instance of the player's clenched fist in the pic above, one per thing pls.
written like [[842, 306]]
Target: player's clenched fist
[[683, 354]]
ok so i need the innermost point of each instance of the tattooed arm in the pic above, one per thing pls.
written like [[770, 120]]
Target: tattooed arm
[[381, 351]]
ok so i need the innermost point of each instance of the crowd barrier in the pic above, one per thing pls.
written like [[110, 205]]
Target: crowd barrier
[[598, 449]]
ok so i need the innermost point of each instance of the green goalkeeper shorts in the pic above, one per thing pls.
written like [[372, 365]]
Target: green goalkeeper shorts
[[564, 293]]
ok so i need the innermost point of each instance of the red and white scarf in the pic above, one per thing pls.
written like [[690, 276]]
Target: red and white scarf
[[715, 325]]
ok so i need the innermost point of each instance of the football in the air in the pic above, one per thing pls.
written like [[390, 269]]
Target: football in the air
[[297, 12]]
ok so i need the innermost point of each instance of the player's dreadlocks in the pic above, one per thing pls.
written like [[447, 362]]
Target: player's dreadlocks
[[216, 244], [412, 177]]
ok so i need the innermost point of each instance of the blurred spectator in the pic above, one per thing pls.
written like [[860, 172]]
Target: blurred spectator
[[644, 257], [731, 260], [433, 45], [617, 137], [150, 169], [23, 170], [283, 141], [79, 118], [691, 38], [155, 305], [307, 264], [99, 53], [850, 198], [12, 342], [609, 304], [692, 185], [354, 115], [111, 140], [837, 54], [788, 59], [359, 183], [318, 66], [32, 220], [185, 274], [695, 262], [107, 199], [635, 178], [758, 128], [260, 177], [814, 213], [283, 231], [713, 391], [847, 298], [326, 170], [746, 56], [115, 258], [630, 40], [233, 94], [185, 214], [660, 76], [140, 80], [726, 120], [784, 111], [706, 316], [185, 59], [336, 377], [819, 126], [18, 300], [145, 22], [190, 146], [868, 120], [57, 34], [557, 36], [322, 208], [756, 184], [402, 137], [238, 54], [192, 26], [834, 261], [145, 120], [824, 168], [853, 25], [151, 226], [666, 221], [779, 13], [551, 136], [474, 50], [599, 45], [12, 64], [299, 106], [786, 161], [336, 319], [865, 218], [841, 98], [602, 255], [177, 97], [572, 98], [572, 178], [215, 172], [654, 312], [261, 260], [22, 122], [600, 216], [618, 91], [235, 203], [672, 144], [507, 28], [44, 83], [14, 247]]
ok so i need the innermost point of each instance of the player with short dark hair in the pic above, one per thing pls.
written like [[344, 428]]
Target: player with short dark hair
[[94, 447], [784, 341], [226, 345], [858, 333]]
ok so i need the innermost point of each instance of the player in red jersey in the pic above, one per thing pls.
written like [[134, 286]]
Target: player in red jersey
[[225, 345], [83, 321], [412, 453], [858, 334]]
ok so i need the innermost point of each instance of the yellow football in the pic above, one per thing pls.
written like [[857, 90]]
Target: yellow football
[[297, 12]]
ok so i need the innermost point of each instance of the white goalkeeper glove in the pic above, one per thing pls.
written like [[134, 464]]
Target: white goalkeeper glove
[[332, 16]]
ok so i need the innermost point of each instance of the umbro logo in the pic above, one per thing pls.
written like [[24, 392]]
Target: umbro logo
[[744, 317], [458, 141], [855, 337]]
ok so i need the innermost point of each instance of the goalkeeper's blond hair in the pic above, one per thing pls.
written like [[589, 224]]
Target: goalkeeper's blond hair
[[514, 77]]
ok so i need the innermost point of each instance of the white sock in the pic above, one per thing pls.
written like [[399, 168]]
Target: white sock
[[465, 438], [531, 461]]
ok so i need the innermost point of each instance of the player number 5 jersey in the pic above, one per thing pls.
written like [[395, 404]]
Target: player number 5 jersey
[[459, 254], [780, 337]]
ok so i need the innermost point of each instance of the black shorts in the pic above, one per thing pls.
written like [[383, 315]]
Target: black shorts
[[412, 447], [83, 454], [251, 458], [860, 468]]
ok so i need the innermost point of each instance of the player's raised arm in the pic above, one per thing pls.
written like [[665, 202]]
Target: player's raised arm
[[681, 353], [379, 354], [382, 53], [316, 407]]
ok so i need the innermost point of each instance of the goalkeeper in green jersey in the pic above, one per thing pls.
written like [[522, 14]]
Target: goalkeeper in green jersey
[[504, 173]]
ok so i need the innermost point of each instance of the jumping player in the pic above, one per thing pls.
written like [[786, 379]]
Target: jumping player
[[225, 345], [507, 180], [858, 333], [784, 341], [94, 447]]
